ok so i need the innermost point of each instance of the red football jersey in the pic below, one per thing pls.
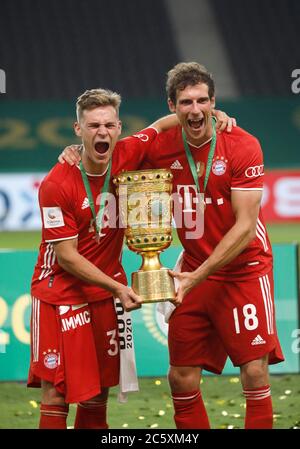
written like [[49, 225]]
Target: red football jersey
[[66, 214], [237, 164]]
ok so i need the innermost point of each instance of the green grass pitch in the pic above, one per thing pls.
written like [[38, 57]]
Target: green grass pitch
[[151, 408]]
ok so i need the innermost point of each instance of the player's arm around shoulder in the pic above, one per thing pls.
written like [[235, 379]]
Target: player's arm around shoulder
[[165, 123]]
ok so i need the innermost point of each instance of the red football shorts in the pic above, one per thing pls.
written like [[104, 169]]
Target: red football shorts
[[219, 319], [74, 347]]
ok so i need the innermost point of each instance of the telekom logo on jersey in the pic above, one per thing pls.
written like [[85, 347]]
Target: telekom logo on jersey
[[153, 210]]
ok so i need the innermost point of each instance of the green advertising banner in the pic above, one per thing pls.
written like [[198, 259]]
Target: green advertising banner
[[150, 331], [32, 134]]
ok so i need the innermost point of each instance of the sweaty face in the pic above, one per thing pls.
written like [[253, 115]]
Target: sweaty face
[[193, 108], [99, 129]]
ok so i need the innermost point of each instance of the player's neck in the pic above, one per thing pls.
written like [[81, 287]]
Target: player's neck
[[93, 168]]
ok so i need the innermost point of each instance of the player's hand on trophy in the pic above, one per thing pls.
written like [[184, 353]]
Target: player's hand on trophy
[[224, 122], [70, 154], [186, 281], [128, 298]]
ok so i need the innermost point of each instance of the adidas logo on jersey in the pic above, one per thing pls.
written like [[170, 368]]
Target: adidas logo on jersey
[[85, 203], [177, 165], [258, 341]]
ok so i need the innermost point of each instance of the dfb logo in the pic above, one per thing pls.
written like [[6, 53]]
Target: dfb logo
[[2, 82], [296, 83]]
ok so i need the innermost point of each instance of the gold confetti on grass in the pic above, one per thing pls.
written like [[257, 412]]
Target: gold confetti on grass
[[153, 426], [221, 402], [157, 382], [281, 398], [33, 404], [224, 413], [141, 417], [161, 413], [125, 424], [234, 380], [288, 392]]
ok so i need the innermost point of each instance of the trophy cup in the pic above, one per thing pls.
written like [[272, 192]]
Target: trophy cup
[[146, 212]]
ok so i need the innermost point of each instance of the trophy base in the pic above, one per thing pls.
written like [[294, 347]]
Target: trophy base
[[153, 285]]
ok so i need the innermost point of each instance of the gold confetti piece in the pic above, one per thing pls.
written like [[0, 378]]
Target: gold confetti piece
[[288, 392], [161, 413], [243, 404], [70, 427], [234, 380], [276, 416], [125, 424], [236, 415], [141, 417], [33, 403], [201, 381], [281, 398], [153, 426], [157, 382], [231, 402], [220, 402], [224, 413], [230, 426], [168, 406]]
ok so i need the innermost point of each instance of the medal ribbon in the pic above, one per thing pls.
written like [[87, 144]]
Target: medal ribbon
[[210, 156], [103, 193]]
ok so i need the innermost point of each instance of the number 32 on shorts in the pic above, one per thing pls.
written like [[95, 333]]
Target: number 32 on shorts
[[250, 320], [114, 345]]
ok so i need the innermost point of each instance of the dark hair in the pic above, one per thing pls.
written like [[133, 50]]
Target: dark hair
[[188, 74]]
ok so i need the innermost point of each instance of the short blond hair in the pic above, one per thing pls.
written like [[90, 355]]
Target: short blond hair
[[94, 98]]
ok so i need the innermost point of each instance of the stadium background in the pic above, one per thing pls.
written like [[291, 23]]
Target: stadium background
[[50, 52]]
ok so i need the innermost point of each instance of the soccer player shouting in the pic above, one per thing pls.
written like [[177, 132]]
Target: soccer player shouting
[[226, 280], [75, 354]]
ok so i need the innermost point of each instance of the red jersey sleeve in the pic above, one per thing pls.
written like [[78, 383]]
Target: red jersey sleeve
[[247, 164], [57, 213], [138, 146]]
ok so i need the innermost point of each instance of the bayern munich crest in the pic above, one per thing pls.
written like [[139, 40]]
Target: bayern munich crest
[[51, 359], [219, 167]]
